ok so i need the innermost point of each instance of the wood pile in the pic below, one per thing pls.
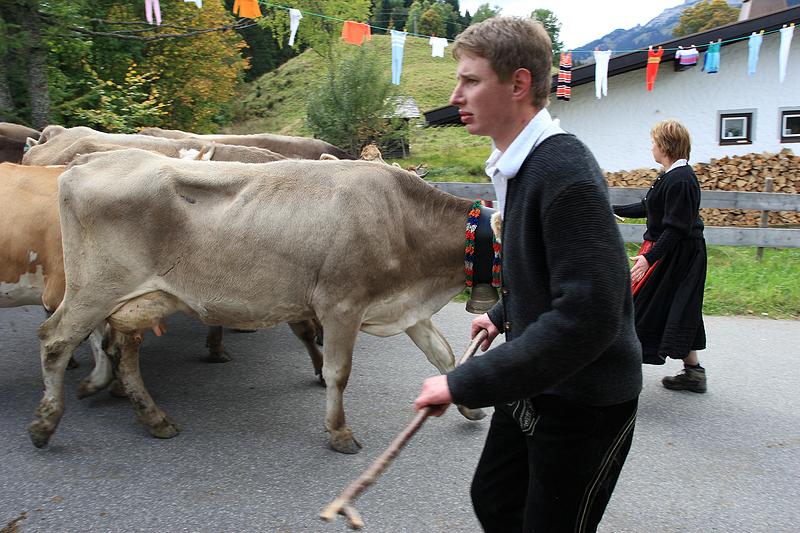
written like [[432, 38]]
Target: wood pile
[[746, 173]]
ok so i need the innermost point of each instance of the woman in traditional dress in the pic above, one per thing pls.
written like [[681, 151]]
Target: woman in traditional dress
[[668, 274]]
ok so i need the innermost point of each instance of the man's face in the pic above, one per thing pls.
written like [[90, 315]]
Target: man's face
[[484, 103]]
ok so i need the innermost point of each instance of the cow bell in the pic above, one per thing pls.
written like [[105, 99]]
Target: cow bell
[[482, 298]]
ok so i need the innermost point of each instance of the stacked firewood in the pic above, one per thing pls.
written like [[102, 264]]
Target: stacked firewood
[[746, 173]]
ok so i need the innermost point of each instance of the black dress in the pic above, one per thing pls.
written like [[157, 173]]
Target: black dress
[[669, 304]]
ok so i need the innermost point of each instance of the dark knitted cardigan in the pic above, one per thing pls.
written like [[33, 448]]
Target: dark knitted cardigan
[[672, 209], [566, 305]]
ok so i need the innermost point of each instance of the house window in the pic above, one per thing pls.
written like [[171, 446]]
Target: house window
[[790, 126], [735, 128]]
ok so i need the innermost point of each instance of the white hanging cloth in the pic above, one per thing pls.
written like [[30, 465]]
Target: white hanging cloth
[[438, 44], [294, 22], [783, 54], [601, 59]]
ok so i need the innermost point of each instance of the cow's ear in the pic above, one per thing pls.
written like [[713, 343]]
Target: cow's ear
[[210, 153], [30, 142]]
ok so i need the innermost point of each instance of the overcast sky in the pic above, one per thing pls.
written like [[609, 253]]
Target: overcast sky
[[583, 21]]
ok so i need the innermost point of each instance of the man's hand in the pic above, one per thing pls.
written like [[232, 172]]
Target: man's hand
[[435, 394], [483, 322], [639, 268]]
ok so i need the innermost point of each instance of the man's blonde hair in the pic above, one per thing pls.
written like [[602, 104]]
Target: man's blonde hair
[[672, 138], [510, 43]]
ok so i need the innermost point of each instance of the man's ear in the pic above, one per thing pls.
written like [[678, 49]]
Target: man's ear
[[521, 80]]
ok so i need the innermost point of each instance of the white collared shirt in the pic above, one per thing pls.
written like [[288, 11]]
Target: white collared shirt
[[676, 164], [503, 166]]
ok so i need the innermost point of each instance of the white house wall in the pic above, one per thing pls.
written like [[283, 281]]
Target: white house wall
[[617, 127]]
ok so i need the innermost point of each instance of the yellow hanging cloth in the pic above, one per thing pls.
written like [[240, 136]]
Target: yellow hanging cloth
[[246, 9]]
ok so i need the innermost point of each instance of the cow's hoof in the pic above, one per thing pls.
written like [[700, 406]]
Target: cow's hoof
[[39, 433], [322, 380], [471, 414], [117, 390], [218, 357], [73, 363], [345, 443], [87, 388], [165, 429]]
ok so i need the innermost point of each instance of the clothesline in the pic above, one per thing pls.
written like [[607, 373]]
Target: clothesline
[[574, 51], [311, 13], [150, 7]]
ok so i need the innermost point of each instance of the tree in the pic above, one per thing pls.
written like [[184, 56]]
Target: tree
[[484, 12], [67, 57], [198, 76], [430, 23], [351, 105], [451, 21], [553, 28], [705, 15]]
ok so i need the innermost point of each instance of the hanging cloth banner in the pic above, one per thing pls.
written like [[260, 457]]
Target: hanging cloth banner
[[355, 32], [787, 32], [152, 10], [686, 58], [198, 3], [438, 44], [653, 60], [564, 89], [246, 9], [294, 22], [753, 47], [398, 42], [601, 59], [711, 59]]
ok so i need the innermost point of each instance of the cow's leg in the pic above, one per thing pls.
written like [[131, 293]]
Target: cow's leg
[[126, 348], [340, 338], [430, 340], [59, 336], [102, 374], [73, 363], [216, 352], [306, 331]]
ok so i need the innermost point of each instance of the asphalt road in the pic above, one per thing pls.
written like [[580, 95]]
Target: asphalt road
[[252, 455]]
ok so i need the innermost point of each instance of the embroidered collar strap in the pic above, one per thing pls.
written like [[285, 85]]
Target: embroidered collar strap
[[478, 249]]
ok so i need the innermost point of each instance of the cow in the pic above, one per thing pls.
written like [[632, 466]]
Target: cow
[[12, 141], [62, 145], [31, 258], [355, 245], [286, 145]]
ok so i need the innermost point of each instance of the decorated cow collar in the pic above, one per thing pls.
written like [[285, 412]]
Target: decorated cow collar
[[481, 245]]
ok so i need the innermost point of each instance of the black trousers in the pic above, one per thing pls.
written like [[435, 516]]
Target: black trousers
[[560, 477]]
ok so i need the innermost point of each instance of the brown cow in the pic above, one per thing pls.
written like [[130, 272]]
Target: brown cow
[[31, 258], [355, 244], [286, 145]]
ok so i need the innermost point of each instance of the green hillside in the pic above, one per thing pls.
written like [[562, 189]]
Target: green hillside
[[276, 103]]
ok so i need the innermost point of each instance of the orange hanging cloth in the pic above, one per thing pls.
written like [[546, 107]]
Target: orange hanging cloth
[[355, 32], [653, 59], [247, 9]]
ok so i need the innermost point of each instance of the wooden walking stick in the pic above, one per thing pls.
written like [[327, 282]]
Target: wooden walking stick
[[343, 504]]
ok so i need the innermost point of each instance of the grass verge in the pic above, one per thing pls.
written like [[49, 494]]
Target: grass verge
[[739, 284]]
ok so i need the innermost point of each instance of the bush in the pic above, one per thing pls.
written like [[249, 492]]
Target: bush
[[351, 107]]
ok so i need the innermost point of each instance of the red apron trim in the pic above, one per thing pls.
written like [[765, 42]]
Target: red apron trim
[[636, 285]]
